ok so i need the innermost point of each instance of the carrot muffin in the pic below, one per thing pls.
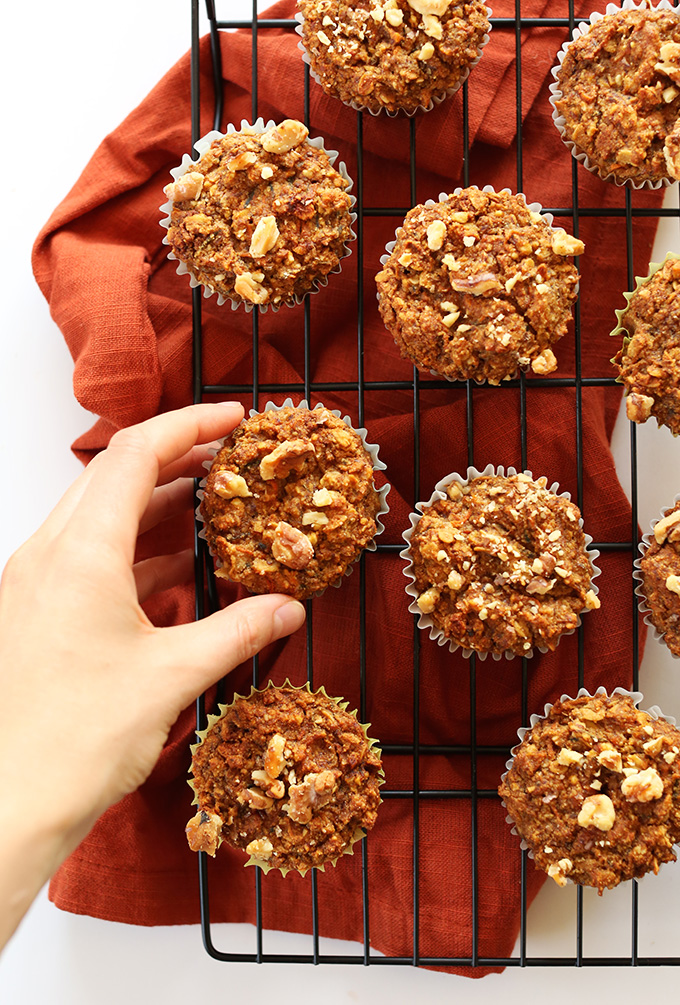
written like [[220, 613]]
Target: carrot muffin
[[478, 286], [617, 95], [262, 217], [500, 565], [594, 791], [393, 54], [286, 775], [289, 503], [649, 359], [660, 569]]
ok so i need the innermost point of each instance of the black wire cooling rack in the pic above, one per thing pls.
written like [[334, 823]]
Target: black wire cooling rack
[[308, 389]]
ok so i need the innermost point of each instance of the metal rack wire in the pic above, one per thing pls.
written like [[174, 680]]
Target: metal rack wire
[[307, 388]]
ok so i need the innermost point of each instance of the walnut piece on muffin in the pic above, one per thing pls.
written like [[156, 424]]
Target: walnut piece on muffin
[[594, 790], [262, 216], [501, 565], [286, 775], [392, 54], [289, 503], [479, 286], [649, 359], [620, 84], [660, 567]]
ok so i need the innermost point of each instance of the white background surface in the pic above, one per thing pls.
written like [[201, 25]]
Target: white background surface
[[71, 72]]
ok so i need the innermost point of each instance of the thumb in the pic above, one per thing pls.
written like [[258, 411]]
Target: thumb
[[206, 650]]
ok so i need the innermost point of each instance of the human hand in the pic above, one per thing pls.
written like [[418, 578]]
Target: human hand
[[89, 688]]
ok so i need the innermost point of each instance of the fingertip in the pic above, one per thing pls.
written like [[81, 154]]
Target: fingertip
[[288, 618]]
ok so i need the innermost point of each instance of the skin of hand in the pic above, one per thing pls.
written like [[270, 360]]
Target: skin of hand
[[89, 688]]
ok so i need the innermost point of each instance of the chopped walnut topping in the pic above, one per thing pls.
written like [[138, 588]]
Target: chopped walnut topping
[[558, 871], [427, 600], [267, 172], [247, 288], [255, 799], [229, 485], [427, 52], [673, 584], [436, 7], [597, 811], [669, 94], [260, 848], [512, 281], [436, 232], [450, 319], [265, 236], [546, 362], [242, 161], [323, 38], [565, 244], [642, 786], [204, 832], [455, 580], [315, 790], [639, 407], [653, 747], [432, 26], [322, 497], [273, 787], [394, 17], [274, 758], [282, 138], [568, 757], [291, 547], [286, 457], [663, 526], [188, 186], [314, 519], [610, 759], [540, 585], [481, 283], [669, 756], [592, 601]]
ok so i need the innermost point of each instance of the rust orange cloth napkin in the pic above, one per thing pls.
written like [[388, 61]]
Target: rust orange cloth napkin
[[126, 317]]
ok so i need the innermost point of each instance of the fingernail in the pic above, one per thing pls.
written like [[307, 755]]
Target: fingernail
[[229, 403], [288, 618]]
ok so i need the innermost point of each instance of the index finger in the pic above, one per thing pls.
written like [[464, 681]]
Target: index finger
[[120, 487]]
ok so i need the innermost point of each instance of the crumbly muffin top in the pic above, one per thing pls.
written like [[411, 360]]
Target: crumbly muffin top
[[501, 564], [594, 790], [620, 83], [660, 567], [286, 775], [392, 54], [290, 502], [262, 216], [649, 360], [478, 286]]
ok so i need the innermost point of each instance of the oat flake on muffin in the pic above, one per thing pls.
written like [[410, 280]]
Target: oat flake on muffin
[[286, 775], [620, 95], [649, 359], [594, 791], [479, 285], [289, 503], [392, 54], [500, 565], [262, 216]]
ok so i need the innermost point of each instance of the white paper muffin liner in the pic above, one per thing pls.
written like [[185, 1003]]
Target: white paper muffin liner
[[654, 711], [359, 833], [436, 99], [638, 576], [372, 450], [424, 620], [188, 163], [555, 92], [533, 207]]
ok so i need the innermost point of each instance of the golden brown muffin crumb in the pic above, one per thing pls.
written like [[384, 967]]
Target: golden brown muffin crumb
[[501, 565], [594, 790], [289, 502], [620, 84], [478, 286], [660, 566], [262, 216], [392, 54], [649, 360], [287, 776]]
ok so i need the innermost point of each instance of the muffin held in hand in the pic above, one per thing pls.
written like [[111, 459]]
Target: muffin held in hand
[[393, 54], [289, 503], [286, 775], [660, 577], [617, 96], [478, 286], [500, 565], [263, 217], [594, 791], [649, 359]]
